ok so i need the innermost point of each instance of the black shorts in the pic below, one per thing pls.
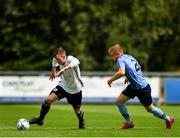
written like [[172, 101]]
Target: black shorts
[[73, 99], [144, 95]]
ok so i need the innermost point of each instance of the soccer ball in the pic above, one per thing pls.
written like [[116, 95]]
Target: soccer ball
[[22, 124]]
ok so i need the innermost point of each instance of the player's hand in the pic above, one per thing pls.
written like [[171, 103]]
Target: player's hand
[[52, 76], [109, 82], [126, 81]]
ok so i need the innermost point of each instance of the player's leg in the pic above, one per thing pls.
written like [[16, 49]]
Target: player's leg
[[75, 101], [46, 105], [80, 115], [53, 96], [121, 100], [44, 109], [146, 99], [160, 114]]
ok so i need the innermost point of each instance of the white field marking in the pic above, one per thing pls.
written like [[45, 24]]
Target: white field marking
[[90, 137], [87, 128], [87, 110]]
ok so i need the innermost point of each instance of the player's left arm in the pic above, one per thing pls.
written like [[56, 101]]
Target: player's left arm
[[73, 63], [59, 73], [117, 75]]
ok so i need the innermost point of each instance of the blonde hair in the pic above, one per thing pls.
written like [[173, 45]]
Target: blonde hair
[[116, 48]]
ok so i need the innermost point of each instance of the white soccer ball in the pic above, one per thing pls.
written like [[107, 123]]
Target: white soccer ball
[[22, 124]]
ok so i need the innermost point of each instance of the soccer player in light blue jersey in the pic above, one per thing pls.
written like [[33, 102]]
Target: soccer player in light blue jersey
[[138, 86]]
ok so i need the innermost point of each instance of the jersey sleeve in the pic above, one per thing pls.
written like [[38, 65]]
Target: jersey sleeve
[[120, 64], [54, 62], [73, 62]]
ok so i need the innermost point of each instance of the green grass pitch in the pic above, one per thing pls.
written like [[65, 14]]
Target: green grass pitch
[[101, 121]]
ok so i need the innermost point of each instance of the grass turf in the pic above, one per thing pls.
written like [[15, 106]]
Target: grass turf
[[101, 121]]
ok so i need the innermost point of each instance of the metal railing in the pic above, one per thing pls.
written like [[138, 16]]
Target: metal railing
[[85, 73]]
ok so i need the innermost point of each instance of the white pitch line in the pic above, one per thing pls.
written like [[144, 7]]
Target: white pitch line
[[91, 137], [74, 128]]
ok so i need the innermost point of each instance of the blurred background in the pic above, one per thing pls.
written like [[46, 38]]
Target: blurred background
[[31, 29]]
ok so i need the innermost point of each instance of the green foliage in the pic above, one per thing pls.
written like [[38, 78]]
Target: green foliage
[[31, 30]]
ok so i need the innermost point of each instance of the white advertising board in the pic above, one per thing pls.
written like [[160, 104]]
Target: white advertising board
[[98, 87], [40, 86], [26, 86]]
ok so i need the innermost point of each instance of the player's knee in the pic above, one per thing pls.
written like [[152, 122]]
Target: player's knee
[[149, 110], [48, 101], [118, 102]]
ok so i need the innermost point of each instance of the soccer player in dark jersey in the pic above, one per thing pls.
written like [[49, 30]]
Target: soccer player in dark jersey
[[69, 86], [138, 86]]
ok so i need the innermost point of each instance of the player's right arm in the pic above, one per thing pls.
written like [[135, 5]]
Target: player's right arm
[[117, 75], [53, 73]]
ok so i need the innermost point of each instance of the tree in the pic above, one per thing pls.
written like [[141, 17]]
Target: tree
[[31, 30]]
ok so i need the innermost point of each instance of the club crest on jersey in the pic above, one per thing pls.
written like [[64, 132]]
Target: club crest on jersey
[[55, 89]]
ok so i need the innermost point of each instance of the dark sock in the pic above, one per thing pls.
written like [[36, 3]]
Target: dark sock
[[80, 115], [44, 110]]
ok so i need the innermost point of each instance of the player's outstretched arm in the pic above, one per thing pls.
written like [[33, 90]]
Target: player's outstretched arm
[[59, 73], [116, 76], [53, 74]]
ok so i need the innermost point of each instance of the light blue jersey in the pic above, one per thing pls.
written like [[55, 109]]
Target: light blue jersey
[[132, 71]]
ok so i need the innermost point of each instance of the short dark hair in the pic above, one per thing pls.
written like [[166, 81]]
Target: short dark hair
[[59, 50]]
